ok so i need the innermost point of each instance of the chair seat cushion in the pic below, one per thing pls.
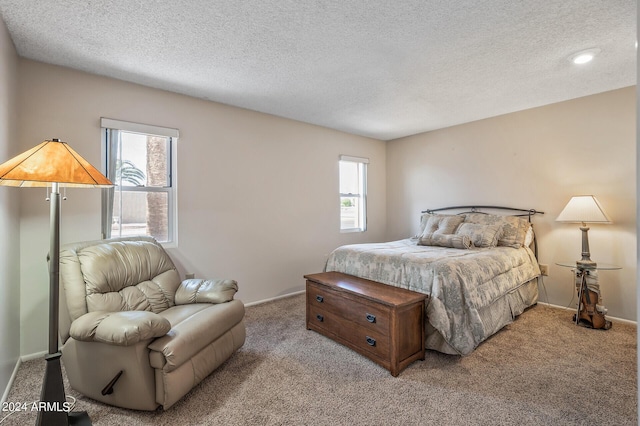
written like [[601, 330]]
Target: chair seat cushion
[[193, 327]]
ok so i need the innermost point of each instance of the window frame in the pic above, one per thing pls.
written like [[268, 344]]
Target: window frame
[[171, 189], [362, 195]]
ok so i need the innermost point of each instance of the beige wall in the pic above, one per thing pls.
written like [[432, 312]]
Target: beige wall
[[538, 159], [9, 215], [258, 195]]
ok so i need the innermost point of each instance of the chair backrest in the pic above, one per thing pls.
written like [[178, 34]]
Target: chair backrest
[[119, 274]]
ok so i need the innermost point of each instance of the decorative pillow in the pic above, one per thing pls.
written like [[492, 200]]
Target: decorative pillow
[[440, 224], [514, 232], [480, 235], [426, 217], [514, 228], [445, 240]]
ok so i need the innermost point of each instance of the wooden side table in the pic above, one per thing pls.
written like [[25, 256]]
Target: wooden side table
[[581, 274]]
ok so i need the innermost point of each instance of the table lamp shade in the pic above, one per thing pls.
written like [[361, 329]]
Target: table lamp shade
[[51, 161], [583, 209]]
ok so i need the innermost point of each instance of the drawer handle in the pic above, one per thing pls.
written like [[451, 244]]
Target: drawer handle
[[371, 318], [371, 341], [319, 299], [320, 317]]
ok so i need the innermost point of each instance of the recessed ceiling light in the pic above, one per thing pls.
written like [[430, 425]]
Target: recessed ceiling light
[[584, 56]]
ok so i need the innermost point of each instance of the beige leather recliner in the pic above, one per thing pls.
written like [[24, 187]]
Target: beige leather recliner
[[133, 334]]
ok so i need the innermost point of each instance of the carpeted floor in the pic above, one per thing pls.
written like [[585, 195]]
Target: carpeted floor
[[540, 370]]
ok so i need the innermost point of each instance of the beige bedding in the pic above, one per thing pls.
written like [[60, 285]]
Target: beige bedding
[[473, 293]]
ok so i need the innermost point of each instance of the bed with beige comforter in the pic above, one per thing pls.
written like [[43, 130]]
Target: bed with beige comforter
[[473, 292]]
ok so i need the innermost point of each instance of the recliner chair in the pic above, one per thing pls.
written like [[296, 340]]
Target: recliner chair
[[133, 334]]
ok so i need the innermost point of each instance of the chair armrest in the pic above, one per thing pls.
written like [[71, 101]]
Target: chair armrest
[[205, 291], [123, 328]]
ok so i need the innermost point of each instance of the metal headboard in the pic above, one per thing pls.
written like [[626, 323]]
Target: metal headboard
[[474, 209]]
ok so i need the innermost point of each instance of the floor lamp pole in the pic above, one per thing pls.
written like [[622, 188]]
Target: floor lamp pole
[[54, 268], [52, 397], [53, 408]]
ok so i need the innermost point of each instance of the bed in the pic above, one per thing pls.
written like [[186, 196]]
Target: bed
[[479, 269]]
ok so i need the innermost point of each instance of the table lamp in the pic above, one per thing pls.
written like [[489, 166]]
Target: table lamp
[[584, 209], [53, 163]]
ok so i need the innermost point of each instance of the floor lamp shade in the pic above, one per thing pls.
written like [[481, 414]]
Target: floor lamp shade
[[53, 163], [584, 209], [50, 162]]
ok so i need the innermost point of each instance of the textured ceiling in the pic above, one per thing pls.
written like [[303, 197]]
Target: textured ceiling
[[383, 69]]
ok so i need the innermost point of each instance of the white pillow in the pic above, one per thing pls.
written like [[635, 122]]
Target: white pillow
[[529, 237]]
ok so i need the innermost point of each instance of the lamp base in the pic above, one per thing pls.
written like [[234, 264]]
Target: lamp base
[[585, 262], [53, 402], [80, 418], [52, 398]]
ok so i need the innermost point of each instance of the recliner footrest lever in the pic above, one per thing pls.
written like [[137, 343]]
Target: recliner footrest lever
[[108, 390]]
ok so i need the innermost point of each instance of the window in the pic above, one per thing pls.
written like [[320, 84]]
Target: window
[[140, 161], [353, 194]]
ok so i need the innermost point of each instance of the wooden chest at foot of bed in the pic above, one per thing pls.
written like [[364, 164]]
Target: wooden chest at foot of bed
[[382, 322]]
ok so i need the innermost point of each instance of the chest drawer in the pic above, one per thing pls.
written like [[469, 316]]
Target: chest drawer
[[352, 334], [384, 323], [366, 314]]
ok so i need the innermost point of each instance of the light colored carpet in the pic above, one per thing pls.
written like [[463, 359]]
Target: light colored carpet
[[541, 369]]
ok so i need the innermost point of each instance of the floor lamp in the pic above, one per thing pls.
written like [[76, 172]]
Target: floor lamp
[[53, 163]]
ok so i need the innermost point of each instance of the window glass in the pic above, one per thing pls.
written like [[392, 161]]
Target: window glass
[[142, 201], [353, 204]]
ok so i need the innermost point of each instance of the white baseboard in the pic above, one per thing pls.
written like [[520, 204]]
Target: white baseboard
[[25, 358], [615, 319], [5, 395], [22, 359], [295, 293], [33, 356]]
